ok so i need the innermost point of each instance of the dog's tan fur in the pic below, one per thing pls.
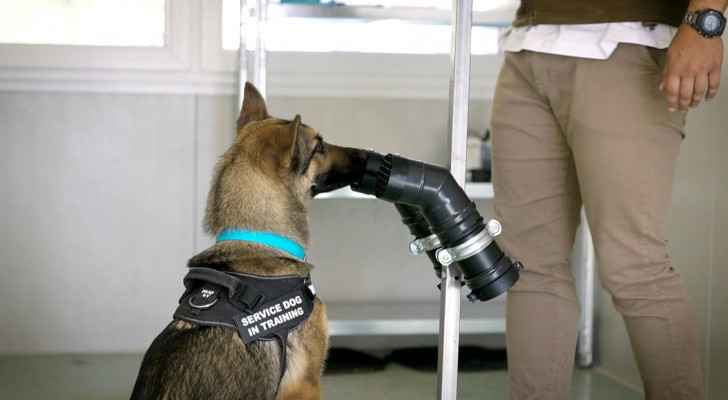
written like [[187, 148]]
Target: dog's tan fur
[[263, 182]]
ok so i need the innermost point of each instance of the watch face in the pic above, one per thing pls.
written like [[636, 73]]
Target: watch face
[[710, 22]]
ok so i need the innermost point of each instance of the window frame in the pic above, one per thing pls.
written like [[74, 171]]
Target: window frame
[[172, 56], [193, 61], [348, 74]]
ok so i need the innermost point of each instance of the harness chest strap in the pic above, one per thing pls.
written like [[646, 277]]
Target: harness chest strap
[[258, 307]]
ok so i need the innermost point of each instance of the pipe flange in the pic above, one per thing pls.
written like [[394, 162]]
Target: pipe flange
[[467, 249], [425, 244]]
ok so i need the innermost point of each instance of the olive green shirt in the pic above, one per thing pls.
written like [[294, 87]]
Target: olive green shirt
[[536, 12]]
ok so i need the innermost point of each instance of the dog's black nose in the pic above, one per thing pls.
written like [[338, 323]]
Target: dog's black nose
[[346, 167], [358, 160]]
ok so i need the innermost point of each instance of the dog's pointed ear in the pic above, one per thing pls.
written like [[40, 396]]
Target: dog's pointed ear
[[254, 108], [298, 148]]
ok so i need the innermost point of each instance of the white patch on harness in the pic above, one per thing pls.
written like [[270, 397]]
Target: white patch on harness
[[273, 318]]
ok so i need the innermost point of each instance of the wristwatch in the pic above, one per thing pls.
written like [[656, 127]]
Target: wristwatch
[[709, 23]]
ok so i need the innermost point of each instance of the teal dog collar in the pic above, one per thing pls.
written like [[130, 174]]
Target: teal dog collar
[[268, 239]]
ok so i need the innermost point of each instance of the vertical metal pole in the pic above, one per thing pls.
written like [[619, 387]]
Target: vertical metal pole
[[585, 270], [447, 362], [252, 67], [242, 53], [447, 365], [460, 86], [259, 57]]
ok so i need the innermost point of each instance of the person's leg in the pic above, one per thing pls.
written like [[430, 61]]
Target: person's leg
[[625, 146], [537, 201]]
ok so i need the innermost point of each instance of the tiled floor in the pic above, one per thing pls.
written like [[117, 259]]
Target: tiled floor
[[110, 377]]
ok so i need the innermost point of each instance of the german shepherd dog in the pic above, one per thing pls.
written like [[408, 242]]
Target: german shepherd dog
[[264, 182]]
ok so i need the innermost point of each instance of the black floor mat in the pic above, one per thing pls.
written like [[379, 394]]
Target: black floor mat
[[470, 358], [346, 361]]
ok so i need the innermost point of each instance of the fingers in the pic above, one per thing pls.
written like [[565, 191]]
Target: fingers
[[701, 86], [687, 88], [714, 84], [686, 92], [671, 86]]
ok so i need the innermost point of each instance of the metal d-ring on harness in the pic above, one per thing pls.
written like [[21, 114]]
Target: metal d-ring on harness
[[238, 293]]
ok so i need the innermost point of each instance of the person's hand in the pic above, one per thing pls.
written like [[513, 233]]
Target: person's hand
[[692, 70]]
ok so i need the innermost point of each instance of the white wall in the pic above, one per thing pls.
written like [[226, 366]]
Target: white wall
[[102, 199], [96, 208]]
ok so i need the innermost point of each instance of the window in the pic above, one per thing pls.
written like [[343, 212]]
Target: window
[[134, 23], [398, 49], [91, 44], [478, 5], [364, 26]]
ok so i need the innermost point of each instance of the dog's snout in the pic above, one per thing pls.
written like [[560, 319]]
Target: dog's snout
[[357, 160], [345, 159], [345, 165]]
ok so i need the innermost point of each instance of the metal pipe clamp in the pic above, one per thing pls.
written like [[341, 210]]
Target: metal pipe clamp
[[470, 247], [425, 244]]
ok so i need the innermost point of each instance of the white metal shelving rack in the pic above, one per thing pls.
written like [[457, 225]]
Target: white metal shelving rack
[[431, 318]]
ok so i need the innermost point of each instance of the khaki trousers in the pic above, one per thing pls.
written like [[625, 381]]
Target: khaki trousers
[[569, 132]]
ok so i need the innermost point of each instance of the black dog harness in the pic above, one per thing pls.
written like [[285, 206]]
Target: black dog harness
[[258, 307]]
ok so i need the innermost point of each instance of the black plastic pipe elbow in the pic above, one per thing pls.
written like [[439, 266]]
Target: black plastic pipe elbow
[[425, 192], [425, 241]]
